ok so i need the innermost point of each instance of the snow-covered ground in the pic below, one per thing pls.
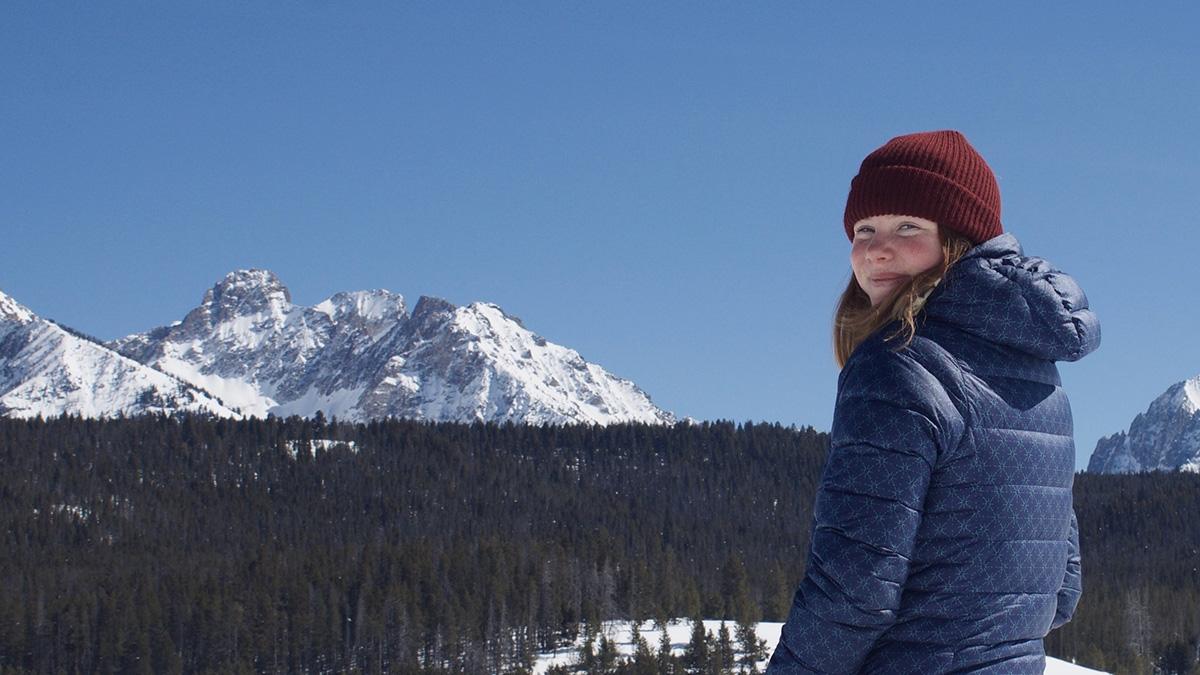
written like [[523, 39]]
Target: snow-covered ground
[[680, 633], [322, 444]]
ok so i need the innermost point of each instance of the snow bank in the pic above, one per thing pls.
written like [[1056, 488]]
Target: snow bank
[[679, 631]]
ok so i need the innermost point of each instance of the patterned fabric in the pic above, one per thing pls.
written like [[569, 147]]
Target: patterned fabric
[[944, 539]]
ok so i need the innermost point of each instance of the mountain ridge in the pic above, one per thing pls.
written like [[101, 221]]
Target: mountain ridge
[[356, 355], [48, 369]]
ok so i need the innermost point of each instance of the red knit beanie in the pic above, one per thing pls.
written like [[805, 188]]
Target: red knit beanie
[[935, 175]]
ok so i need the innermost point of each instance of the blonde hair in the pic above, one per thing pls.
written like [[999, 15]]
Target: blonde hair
[[855, 319]]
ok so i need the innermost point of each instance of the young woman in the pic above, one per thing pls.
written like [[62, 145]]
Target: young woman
[[944, 538]]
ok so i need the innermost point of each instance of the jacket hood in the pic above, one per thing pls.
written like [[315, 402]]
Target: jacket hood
[[997, 293]]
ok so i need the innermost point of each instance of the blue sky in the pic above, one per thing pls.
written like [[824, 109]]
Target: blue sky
[[657, 185]]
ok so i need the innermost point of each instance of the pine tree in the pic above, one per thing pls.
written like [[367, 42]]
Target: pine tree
[[723, 655], [644, 661], [696, 654], [587, 652], [666, 658], [780, 592], [606, 655], [753, 648], [735, 589], [1139, 624]]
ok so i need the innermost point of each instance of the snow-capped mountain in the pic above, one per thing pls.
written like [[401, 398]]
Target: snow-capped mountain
[[48, 370], [249, 344], [1166, 437], [361, 356]]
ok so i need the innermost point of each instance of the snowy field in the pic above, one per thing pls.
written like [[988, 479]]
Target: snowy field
[[680, 633]]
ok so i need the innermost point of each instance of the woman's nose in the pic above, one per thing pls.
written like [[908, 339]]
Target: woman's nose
[[879, 247]]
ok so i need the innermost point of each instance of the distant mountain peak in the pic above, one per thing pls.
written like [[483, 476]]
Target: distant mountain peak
[[244, 292], [1189, 395], [363, 313], [430, 314], [250, 278], [371, 305], [428, 305], [1164, 438], [13, 311]]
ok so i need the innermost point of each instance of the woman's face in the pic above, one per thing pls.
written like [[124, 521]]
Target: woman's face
[[889, 250]]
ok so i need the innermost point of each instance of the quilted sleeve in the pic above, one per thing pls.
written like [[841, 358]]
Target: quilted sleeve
[[891, 422], [1072, 586]]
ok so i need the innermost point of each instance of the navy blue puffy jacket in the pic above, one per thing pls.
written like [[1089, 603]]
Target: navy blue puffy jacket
[[944, 538]]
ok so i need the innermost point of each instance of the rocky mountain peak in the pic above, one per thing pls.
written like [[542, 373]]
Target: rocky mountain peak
[[244, 292], [1185, 396], [1164, 438], [428, 305], [429, 314], [13, 311], [364, 306]]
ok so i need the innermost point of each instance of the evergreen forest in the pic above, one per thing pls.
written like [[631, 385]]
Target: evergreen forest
[[188, 544]]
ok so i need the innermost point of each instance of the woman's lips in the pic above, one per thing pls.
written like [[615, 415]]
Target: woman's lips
[[886, 278]]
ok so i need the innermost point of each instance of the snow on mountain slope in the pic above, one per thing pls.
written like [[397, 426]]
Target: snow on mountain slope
[[476, 362], [360, 356], [251, 346], [1166, 437], [14, 312], [48, 370]]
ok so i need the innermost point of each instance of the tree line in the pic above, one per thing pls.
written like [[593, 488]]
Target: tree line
[[189, 544]]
